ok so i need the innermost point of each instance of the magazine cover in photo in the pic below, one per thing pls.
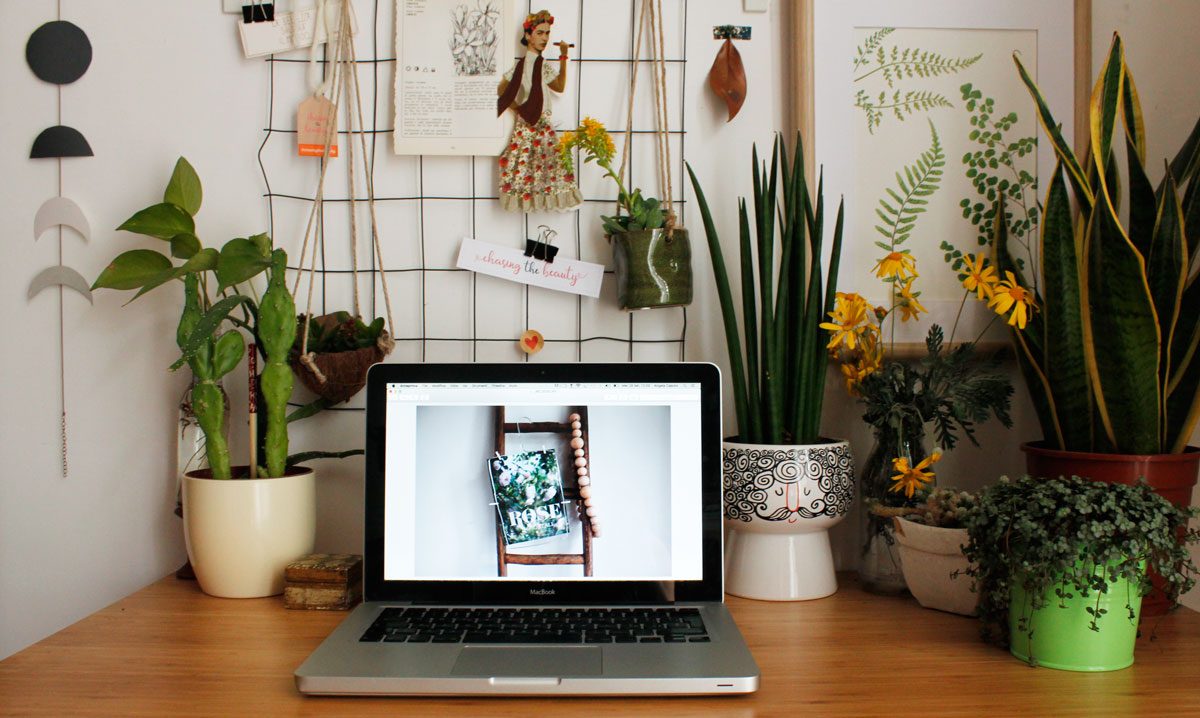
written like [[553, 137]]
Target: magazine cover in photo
[[529, 496]]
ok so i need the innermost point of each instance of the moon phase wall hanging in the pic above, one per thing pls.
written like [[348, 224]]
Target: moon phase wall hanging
[[59, 52]]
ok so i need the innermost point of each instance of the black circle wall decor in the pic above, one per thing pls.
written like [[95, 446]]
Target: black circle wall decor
[[59, 52]]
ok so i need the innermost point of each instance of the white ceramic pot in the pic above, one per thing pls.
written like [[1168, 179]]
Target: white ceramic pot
[[930, 556], [780, 501], [241, 533]]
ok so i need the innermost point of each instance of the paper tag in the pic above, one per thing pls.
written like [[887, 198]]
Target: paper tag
[[563, 275], [316, 118], [289, 31]]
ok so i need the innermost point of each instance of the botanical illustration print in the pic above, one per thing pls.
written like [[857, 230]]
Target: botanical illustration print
[[905, 204], [474, 40], [874, 62], [997, 166]]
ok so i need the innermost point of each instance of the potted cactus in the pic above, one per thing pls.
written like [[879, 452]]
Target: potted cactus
[[242, 524], [784, 484]]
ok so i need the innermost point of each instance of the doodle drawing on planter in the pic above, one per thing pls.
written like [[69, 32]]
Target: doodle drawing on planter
[[780, 501]]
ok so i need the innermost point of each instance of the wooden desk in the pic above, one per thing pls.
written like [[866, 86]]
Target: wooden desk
[[170, 650]]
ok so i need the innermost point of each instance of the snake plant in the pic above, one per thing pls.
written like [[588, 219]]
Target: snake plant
[[1112, 362], [779, 384]]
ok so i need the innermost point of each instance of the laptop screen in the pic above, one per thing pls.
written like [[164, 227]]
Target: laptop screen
[[555, 477]]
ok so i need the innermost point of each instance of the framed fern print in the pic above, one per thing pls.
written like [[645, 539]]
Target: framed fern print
[[920, 118]]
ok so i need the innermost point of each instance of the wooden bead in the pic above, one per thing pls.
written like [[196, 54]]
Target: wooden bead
[[573, 417], [581, 471], [584, 481], [581, 462], [576, 443], [585, 492], [590, 511], [579, 452], [577, 433], [595, 531], [576, 425]]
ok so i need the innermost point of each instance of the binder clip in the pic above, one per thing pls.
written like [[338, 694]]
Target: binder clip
[[258, 12], [542, 248]]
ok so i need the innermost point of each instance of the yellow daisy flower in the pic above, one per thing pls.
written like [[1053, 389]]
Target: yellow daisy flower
[[849, 317], [1007, 294], [896, 264], [908, 305], [979, 278], [909, 479]]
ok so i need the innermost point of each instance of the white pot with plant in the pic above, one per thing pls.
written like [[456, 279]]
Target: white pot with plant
[[930, 540], [242, 524], [784, 484]]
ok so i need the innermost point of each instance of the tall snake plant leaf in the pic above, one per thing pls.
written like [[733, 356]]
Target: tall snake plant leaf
[[1183, 390], [1143, 204], [1065, 370], [1105, 104], [1123, 351], [1166, 270], [752, 431], [1075, 172]]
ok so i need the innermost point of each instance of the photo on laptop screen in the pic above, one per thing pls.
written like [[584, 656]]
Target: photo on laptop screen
[[542, 481]]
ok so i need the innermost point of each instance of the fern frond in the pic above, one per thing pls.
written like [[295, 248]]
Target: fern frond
[[864, 52], [919, 180]]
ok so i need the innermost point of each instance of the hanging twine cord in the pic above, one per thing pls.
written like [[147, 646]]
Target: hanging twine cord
[[344, 66], [650, 21]]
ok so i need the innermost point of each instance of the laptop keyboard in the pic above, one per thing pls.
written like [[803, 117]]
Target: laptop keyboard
[[537, 625]]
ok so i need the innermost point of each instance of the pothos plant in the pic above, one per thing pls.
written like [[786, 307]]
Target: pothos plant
[[219, 304], [596, 145], [1062, 538]]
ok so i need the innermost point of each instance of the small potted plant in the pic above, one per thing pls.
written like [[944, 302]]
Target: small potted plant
[[333, 362], [242, 524], [930, 537], [1061, 566], [785, 485], [652, 258]]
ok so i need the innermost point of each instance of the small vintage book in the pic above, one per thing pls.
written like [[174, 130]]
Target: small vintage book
[[529, 496]]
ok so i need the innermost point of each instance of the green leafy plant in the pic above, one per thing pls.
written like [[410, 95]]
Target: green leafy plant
[[1111, 363], [779, 384], [343, 334], [1063, 537], [943, 507], [597, 146], [209, 332]]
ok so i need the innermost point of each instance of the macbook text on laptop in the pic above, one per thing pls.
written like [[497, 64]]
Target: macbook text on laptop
[[539, 529]]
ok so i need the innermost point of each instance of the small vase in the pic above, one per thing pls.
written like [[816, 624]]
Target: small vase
[[880, 569], [653, 268]]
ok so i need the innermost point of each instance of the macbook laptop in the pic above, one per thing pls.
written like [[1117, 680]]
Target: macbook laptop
[[539, 529]]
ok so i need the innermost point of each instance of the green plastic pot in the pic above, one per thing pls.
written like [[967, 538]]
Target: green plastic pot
[[653, 268], [1062, 636]]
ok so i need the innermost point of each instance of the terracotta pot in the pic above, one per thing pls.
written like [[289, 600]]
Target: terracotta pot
[[241, 533], [653, 268], [1172, 476], [935, 568], [780, 501]]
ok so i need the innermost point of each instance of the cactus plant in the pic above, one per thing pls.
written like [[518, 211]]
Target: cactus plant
[[207, 350]]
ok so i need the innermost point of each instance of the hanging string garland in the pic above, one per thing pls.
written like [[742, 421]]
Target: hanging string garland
[[583, 478]]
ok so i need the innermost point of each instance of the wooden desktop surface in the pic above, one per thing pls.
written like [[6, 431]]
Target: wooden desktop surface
[[170, 650]]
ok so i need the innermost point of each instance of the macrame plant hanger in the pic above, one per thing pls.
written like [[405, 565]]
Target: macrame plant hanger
[[650, 22], [342, 78]]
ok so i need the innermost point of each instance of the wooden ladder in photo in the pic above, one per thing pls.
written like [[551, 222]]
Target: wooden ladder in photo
[[570, 492]]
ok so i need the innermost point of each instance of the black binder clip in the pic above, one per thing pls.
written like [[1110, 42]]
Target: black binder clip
[[541, 247], [258, 12]]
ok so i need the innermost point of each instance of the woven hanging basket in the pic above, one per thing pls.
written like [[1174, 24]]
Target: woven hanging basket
[[345, 373]]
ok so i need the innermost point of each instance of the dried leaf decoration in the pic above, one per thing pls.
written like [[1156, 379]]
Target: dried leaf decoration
[[727, 77]]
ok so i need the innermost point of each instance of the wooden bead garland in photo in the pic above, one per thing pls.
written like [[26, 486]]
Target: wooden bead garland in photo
[[581, 472]]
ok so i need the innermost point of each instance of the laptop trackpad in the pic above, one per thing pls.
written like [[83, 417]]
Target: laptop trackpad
[[528, 661]]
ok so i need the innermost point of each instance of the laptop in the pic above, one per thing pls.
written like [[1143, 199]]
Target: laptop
[[539, 529]]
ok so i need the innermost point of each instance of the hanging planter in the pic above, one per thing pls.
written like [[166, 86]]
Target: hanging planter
[[653, 268], [340, 350]]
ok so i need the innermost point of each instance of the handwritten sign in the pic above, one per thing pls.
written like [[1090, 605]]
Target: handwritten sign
[[563, 275]]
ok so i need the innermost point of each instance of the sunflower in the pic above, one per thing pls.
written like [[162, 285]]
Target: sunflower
[[1007, 294], [979, 278], [896, 264], [849, 317], [909, 479], [908, 305]]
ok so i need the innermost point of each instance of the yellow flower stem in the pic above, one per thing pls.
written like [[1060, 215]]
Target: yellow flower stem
[[622, 195], [961, 304]]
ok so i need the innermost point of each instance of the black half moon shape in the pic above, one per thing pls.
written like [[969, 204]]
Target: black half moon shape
[[60, 141], [59, 52]]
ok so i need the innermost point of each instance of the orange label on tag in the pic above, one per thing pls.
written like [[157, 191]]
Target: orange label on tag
[[316, 123]]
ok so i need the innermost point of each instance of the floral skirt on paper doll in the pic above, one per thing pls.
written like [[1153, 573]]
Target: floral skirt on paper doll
[[532, 177]]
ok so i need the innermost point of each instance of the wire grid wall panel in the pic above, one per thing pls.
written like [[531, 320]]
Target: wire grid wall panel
[[425, 205]]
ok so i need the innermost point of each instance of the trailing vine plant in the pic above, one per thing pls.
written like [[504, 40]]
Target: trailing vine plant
[[894, 65], [997, 166]]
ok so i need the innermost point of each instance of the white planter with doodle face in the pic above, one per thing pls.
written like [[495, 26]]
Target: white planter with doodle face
[[780, 501]]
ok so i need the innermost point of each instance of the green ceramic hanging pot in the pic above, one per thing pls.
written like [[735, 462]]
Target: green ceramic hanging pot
[[653, 268]]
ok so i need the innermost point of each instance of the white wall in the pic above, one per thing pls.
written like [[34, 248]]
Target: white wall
[[168, 79]]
